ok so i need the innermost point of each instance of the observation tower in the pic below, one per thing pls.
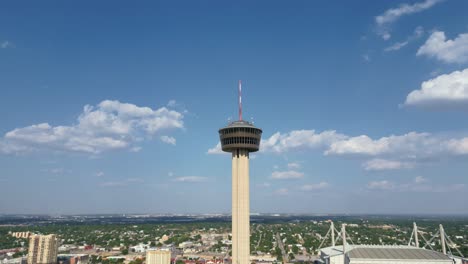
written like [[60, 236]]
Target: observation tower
[[240, 138]]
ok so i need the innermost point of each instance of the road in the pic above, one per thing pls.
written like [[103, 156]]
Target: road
[[281, 246]]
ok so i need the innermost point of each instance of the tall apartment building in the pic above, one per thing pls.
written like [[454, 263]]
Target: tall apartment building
[[158, 257], [43, 249]]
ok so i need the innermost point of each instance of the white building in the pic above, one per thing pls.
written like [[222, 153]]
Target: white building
[[140, 248], [186, 244], [21, 260]]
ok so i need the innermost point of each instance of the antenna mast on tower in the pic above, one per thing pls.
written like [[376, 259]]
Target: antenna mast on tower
[[240, 100]]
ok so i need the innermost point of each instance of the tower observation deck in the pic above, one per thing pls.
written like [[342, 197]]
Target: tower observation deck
[[240, 138]]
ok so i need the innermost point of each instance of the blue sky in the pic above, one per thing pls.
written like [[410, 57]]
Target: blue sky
[[108, 107]]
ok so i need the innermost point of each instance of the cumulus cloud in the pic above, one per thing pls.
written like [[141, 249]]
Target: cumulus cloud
[[418, 32], [389, 152], [383, 164], [366, 57], [121, 183], [57, 171], [446, 89], [411, 143], [412, 146], [446, 50], [396, 46], [282, 191], [296, 139], [264, 185], [315, 187], [364, 145], [458, 146], [420, 179], [380, 185], [284, 175], [172, 103], [419, 184], [6, 44], [191, 179], [216, 150], [294, 165], [385, 20], [168, 140], [299, 139], [110, 125]]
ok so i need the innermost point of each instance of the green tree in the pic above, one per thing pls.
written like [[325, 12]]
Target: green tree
[[295, 249], [18, 254]]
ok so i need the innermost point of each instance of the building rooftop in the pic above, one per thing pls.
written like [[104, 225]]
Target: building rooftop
[[240, 123], [333, 251], [395, 253]]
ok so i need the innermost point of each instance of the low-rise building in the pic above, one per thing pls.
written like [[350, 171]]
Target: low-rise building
[[21, 234]]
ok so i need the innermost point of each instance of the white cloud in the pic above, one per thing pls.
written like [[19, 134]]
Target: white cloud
[[6, 44], [418, 185], [99, 174], [294, 165], [419, 179], [114, 184], [216, 150], [411, 143], [446, 50], [121, 183], [110, 125], [168, 140], [396, 46], [457, 146], [264, 185], [57, 171], [413, 146], [366, 57], [282, 191], [418, 32], [384, 20], [314, 187], [380, 185], [191, 179], [298, 139], [445, 89], [283, 175], [390, 152], [172, 103], [382, 164], [134, 180]]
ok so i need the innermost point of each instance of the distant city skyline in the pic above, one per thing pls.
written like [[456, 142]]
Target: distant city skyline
[[113, 108]]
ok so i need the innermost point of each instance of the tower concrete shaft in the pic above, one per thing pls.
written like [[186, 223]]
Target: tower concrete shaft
[[240, 207], [240, 138]]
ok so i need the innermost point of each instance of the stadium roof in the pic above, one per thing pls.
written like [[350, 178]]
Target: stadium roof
[[395, 253]]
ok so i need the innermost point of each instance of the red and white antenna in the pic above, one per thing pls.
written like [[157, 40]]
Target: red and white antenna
[[240, 100]]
